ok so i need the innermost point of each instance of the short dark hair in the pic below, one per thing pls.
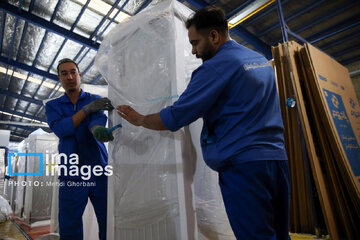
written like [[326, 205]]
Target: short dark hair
[[65, 60], [208, 18]]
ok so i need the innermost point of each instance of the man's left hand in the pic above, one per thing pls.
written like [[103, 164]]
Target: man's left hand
[[101, 133]]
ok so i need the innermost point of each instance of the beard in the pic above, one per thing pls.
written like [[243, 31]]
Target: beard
[[208, 52], [74, 89]]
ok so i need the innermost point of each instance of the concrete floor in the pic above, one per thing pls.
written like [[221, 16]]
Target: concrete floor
[[299, 236], [9, 230]]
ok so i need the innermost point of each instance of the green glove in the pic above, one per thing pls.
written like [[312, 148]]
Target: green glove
[[97, 105], [101, 133]]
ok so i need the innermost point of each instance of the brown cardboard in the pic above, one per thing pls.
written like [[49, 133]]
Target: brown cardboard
[[290, 51], [340, 110], [310, 76], [333, 179], [302, 214]]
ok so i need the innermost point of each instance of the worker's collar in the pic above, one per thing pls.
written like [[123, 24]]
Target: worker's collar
[[227, 44], [65, 98]]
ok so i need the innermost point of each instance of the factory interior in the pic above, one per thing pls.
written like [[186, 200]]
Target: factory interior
[[137, 53]]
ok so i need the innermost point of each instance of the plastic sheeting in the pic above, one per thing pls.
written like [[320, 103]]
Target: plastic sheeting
[[2, 170], [37, 204], [32, 195], [158, 176], [18, 165], [101, 90], [5, 209], [4, 138]]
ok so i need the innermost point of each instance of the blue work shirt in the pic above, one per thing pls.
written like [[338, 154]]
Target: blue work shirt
[[235, 93], [78, 140]]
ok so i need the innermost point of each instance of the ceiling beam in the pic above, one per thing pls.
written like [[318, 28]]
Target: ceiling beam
[[253, 40], [350, 60], [345, 51], [15, 139], [22, 114], [292, 16], [354, 73], [198, 4], [334, 29], [28, 68], [262, 14], [38, 21], [320, 19], [340, 41], [19, 126], [18, 135], [21, 97], [27, 124]]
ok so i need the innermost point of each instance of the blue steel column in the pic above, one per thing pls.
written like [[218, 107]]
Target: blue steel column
[[282, 22], [321, 19], [292, 16]]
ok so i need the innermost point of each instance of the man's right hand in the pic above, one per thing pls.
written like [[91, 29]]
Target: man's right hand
[[130, 115], [97, 105]]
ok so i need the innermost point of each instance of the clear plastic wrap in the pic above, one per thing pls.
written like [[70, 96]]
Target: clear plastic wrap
[[37, 204], [159, 176], [5, 209], [54, 222], [18, 164], [2, 171]]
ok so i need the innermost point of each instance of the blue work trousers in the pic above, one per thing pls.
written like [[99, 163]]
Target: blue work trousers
[[72, 203], [257, 199]]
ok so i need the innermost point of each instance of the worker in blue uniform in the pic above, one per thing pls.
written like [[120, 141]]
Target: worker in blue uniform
[[78, 119], [235, 93]]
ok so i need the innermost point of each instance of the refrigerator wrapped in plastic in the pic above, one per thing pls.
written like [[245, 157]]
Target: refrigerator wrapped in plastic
[[160, 188], [18, 166], [39, 188]]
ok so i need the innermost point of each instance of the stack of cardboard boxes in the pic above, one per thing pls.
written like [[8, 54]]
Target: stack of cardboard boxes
[[321, 116]]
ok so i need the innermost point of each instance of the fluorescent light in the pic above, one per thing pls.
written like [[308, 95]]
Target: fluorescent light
[[103, 8], [18, 116], [248, 11], [25, 124], [30, 79]]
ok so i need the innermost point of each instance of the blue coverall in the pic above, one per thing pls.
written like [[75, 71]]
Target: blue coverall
[[73, 199], [242, 138]]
